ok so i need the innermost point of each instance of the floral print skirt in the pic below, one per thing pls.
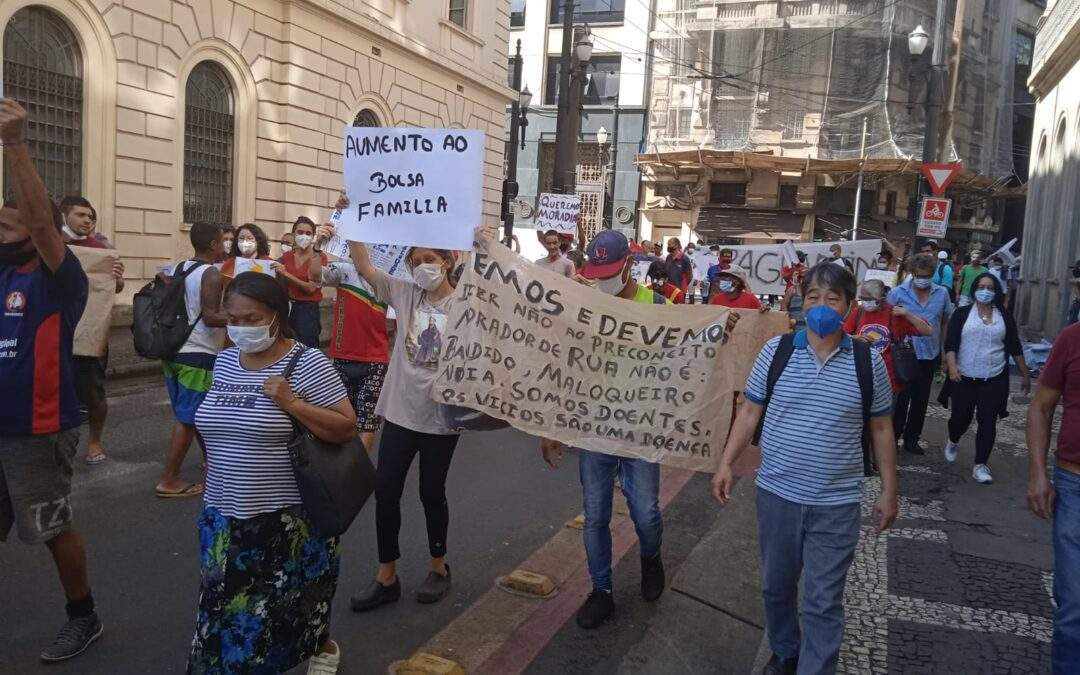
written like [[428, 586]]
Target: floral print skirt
[[266, 587]]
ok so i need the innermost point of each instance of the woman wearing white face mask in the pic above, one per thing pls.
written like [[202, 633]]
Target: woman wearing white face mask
[[412, 425], [295, 267], [978, 343], [262, 568], [250, 242]]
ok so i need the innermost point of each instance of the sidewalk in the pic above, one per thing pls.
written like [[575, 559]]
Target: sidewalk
[[961, 583]]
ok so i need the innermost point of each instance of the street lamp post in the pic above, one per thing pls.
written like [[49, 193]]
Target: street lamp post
[[519, 108], [917, 41], [577, 50]]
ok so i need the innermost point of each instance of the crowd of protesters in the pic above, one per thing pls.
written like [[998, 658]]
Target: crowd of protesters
[[253, 366]]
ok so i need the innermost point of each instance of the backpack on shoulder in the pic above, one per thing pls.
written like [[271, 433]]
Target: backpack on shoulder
[[159, 324], [864, 372]]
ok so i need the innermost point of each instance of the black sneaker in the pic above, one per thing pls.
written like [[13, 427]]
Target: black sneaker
[[376, 595], [74, 638], [779, 666], [597, 609], [652, 578], [435, 588]]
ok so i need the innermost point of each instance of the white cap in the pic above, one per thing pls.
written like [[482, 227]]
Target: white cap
[[942, 255]]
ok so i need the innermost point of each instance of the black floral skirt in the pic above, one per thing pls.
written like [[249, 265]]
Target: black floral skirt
[[266, 588]]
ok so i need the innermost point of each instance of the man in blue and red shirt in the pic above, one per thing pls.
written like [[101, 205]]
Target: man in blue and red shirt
[[44, 291]]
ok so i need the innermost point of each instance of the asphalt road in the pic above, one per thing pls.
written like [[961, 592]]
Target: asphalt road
[[143, 551]]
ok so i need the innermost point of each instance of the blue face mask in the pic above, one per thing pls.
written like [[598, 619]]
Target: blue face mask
[[823, 320], [922, 282], [725, 285], [984, 295]]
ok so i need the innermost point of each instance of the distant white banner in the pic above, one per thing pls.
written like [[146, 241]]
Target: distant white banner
[[388, 258], [413, 187], [765, 262]]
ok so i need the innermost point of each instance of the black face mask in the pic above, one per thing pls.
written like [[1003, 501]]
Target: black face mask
[[16, 253]]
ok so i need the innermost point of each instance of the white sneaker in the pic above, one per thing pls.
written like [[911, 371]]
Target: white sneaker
[[981, 474], [324, 663], [951, 451]]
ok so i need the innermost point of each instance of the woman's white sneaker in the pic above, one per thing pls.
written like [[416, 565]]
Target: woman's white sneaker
[[324, 663], [981, 474], [951, 451]]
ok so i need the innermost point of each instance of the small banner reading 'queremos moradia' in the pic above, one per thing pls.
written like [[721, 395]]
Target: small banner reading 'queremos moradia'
[[561, 360]]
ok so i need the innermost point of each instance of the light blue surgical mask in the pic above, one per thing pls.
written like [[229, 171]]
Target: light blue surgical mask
[[725, 285], [922, 282], [984, 296]]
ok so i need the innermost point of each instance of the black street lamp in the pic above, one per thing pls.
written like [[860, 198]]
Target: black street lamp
[[518, 111]]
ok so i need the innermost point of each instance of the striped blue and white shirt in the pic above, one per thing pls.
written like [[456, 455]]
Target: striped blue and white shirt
[[246, 434], [811, 442]]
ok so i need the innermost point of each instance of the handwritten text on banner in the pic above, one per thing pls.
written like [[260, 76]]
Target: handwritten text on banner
[[557, 212], [558, 359], [413, 187]]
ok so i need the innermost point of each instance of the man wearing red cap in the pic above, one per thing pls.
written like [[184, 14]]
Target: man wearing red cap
[[609, 265]]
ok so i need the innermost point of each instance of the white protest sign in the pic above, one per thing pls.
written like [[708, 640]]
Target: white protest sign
[[1006, 254], [790, 253], [560, 360], [388, 258], [557, 212], [702, 261], [766, 262], [887, 277], [640, 270], [254, 265], [413, 187]]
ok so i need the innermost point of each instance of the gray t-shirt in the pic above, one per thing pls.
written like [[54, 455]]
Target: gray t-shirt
[[406, 394], [562, 265]]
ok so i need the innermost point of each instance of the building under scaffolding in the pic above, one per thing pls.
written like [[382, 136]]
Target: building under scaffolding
[[772, 106]]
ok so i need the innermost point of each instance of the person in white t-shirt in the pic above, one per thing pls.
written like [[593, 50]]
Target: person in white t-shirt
[[188, 375]]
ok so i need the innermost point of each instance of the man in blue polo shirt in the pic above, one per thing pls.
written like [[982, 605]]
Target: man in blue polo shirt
[[930, 302], [811, 472], [44, 290]]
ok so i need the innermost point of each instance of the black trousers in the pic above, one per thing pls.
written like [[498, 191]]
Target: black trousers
[[397, 448], [981, 400], [909, 414], [306, 323]]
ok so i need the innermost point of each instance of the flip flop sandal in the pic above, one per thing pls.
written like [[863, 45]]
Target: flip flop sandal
[[191, 490], [92, 460]]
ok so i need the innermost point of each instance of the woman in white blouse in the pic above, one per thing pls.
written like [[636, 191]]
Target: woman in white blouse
[[978, 343]]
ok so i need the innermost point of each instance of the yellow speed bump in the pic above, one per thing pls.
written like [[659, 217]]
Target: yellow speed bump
[[422, 663], [530, 584]]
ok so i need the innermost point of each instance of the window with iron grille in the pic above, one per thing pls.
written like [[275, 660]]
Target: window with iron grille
[[366, 118], [208, 146], [729, 194], [43, 72]]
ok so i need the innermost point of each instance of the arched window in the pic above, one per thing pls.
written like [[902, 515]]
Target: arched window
[[209, 127], [366, 118], [43, 71]]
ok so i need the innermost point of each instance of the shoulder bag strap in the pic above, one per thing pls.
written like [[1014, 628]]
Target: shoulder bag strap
[[779, 361], [864, 373]]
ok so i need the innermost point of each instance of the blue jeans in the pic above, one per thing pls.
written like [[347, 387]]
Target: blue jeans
[[641, 484], [816, 543], [1065, 647]]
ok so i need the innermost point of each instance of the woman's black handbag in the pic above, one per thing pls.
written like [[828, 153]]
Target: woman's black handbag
[[334, 479], [905, 363]]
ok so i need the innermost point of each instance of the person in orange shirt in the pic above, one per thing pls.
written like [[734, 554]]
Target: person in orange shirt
[[662, 285]]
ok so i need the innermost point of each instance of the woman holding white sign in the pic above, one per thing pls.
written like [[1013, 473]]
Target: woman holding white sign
[[412, 423]]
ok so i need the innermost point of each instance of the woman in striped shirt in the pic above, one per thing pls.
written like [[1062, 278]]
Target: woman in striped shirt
[[267, 581]]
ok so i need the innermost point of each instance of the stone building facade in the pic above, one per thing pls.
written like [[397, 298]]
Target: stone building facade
[[164, 112], [1051, 242]]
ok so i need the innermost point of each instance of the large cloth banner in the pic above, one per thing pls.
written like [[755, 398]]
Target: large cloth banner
[[561, 360], [766, 261], [92, 331], [413, 187]]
